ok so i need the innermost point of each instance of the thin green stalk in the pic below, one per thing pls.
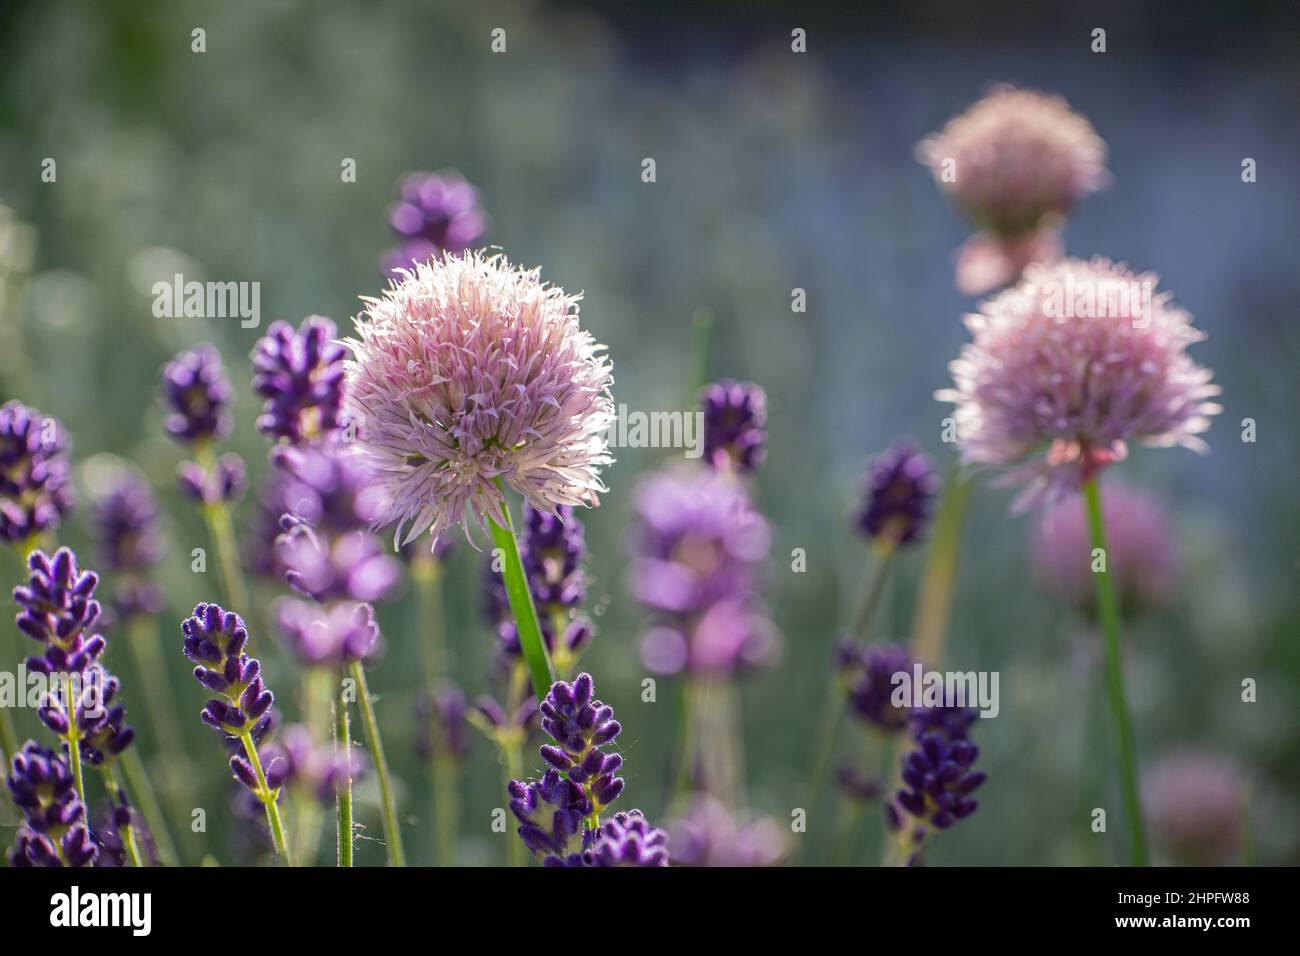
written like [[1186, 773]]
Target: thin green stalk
[[1108, 611], [427, 571], [513, 753], [133, 766], [222, 531], [875, 590], [392, 830], [316, 688], [343, 800], [8, 740], [687, 752], [268, 798], [521, 604], [73, 739], [934, 602], [128, 831]]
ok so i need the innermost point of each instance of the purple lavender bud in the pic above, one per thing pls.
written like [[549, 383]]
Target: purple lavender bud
[[950, 723], [868, 676], [226, 481], [124, 518], [332, 636], [938, 781], [550, 812], [54, 831], [35, 491], [197, 396], [437, 213], [629, 840], [300, 374], [901, 485], [214, 639], [735, 416], [58, 609]]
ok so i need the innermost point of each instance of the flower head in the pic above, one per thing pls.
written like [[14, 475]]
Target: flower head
[[443, 722], [711, 835], [215, 640], [300, 763], [901, 485], [197, 395], [300, 374], [628, 839], [124, 517], [1196, 804], [35, 492], [1078, 359], [53, 832], [551, 813], [1141, 552], [339, 634], [938, 781], [1015, 157], [58, 609], [868, 674], [471, 370], [735, 419], [223, 483], [438, 213]]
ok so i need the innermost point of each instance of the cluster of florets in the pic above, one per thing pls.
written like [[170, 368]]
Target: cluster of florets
[[735, 420], [125, 521], [558, 814], [197, 395], [295, 760], [697, 546], [900, 489], [35, 490], [53, 831], [438, 213], [711, 835], [552, 550], [300, 374], [867, 673]]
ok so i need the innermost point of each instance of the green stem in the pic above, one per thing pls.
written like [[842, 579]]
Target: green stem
[[521, 604], [316, 688], [934, 602], [392, 831], [8, 741], [427, 571], [875, 591], [268, 798], [1108, 611], [512, 752], [222, 531], [133, 766], [73, 739], [128, 831], [685, 772], [343, 800]]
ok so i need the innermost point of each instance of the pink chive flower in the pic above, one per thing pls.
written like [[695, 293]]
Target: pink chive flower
[[1196, 804], [1069, 366], [469, 370], [1015, 163], [1141, 551]]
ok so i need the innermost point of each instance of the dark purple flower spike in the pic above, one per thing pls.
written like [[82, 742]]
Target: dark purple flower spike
[[300, 374], [735, 420], [35, 490], [901, 485], [54, 831]]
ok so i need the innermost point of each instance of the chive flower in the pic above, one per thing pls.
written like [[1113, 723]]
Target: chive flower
[[469, 374]]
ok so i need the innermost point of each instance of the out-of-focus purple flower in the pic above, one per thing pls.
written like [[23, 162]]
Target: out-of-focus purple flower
[[109, 830], [54, 831], [900, 489], [948, 722], [442, 723], [225, 482], [300, 763], [215, 641], [1141, 553], [735, 419], [472, 371], [438, 213], [697, 548], [710, 835], [1015, 157], [628, 839], [124, 519], [1196, 805], [345, 567], [197, 395], [868, 674], [300, 374], [343, 632], [58, 609], [279, 494], [987, 261], [490, 717], [938, 781], [332, 490], [35, 492], [1079, 358], [552, 552]]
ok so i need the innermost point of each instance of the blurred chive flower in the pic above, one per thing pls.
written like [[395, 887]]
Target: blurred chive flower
[[1196, 804], [735, 420], [300, 374], [197, 395], [1141, 552], [35, 490], [437, 213], [53, 832], [900, 490], [471, 374], [1069, 366]]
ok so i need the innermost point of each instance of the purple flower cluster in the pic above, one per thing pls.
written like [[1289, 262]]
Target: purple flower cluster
[[868, 673], [552, 551], [735, 416], [711, 835], [301, 763], [124, 519], [300, 374], [35, 491], [697, 549], [938, 778], [197, 395], [558, 813], [901, 485], [215, 641], [57, 608], [53, 831], [437, 213], [226, 481], [338, 634]]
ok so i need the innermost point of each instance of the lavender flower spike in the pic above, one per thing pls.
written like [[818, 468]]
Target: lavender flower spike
[[735, 416], [901, 485], [628, 839], [300, 374], [35, 491], [58, 609], [124, 517], [197, 394], [54, 831], [472, 374]]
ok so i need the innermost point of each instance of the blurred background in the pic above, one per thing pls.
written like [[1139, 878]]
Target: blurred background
[[774, 171]]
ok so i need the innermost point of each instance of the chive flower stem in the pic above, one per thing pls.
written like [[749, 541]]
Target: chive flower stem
[[522, 607]]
